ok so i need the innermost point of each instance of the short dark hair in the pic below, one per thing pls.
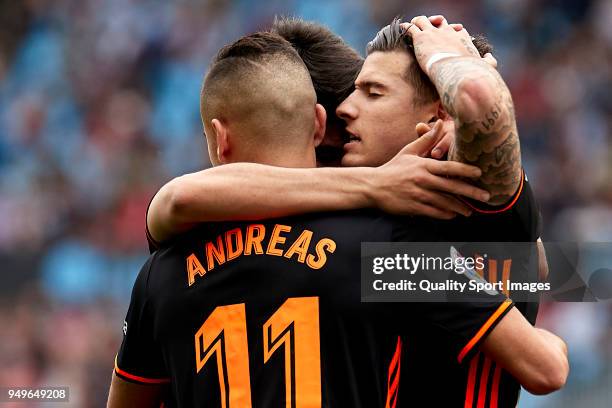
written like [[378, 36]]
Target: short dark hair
[[392, 37], [259, 74], [333, 65], [248, 49], [237, 59], [256, 46]]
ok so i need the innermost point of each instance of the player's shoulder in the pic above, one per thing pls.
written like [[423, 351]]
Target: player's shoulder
[[516, 220], [523, 200], [520, 216], [142, 282]]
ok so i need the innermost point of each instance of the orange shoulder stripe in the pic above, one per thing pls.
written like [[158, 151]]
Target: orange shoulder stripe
[[500, 310]]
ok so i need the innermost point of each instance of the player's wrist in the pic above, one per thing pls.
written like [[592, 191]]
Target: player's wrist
[[440, 58], [356, 187], [375, 186], [437, 57]]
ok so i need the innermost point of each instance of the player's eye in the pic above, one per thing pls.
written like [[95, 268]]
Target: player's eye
[[374, 95]]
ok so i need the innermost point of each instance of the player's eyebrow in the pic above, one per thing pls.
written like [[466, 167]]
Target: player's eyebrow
[[370, 83]]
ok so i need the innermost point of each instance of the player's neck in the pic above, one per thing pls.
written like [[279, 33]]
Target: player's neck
[[281, 158]]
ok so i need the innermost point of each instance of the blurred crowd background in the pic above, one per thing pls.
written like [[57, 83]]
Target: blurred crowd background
[[99, 107]]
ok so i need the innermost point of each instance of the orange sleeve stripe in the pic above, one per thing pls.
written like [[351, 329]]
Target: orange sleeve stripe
[[471, 384], [394, 366], [494, 317], [139, 379], [495, 387], [484, 379], [507, 207]]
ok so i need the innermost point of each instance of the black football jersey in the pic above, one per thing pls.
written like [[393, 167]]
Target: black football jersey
[[435, 375], [268, 314]]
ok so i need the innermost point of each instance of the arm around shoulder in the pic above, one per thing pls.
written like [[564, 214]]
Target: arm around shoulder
[[250, 191]]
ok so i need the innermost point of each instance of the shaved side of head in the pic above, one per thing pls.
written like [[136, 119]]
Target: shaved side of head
[[260, 88]]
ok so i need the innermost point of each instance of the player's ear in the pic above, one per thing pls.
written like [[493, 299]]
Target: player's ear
[[222, 139], [436, 111], [320, 123], [442, 113]]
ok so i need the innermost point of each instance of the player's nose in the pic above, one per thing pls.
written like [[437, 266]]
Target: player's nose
[[347, 110]]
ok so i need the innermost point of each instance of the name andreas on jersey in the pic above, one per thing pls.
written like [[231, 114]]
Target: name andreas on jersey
[[234, 243]]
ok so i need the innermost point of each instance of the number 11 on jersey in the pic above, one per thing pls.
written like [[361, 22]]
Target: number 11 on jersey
[[294, 325]]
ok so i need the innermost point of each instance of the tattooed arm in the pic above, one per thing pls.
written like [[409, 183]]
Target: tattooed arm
[[479, 101]]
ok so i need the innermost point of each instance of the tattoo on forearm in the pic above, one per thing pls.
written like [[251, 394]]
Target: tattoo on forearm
[[489, 139]]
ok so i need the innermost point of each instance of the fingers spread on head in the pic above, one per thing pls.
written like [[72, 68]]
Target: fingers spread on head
[[412, 30], [438, 20], [466, 33], [405, 25], [422, 23], [490, 59]]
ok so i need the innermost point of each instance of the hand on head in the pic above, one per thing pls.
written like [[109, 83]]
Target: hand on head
[[434, 35]]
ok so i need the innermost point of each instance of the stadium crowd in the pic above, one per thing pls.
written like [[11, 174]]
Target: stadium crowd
[[99, 107]]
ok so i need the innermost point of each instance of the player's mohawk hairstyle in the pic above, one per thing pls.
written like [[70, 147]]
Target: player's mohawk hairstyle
[[260, 69], [256, 46]]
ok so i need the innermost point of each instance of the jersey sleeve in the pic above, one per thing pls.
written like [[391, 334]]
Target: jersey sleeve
[[522, 207], [488, 209], [467, 318], [467, 323], [139, 358]]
